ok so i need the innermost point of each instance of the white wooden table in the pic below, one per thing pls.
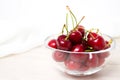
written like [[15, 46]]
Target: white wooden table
[[37, 64]]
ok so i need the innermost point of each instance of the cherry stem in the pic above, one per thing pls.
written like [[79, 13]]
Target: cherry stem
[[72, 17], [86, 33], [89, 50], [67, 37], [97, 31], [63, 28], [72, 20], [72, 14], [66, 26], [110, 42], [92, 36], [79, 22]]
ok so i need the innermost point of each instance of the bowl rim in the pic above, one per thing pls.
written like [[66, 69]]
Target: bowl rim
[[94, 52]]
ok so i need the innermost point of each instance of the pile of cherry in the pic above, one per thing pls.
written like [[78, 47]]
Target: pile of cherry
[[80, 40], [76, 43]]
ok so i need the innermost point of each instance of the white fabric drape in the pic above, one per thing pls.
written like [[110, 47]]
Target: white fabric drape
[[25, 24]]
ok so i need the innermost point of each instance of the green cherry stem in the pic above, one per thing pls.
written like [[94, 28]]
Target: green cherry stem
[[110, 42], [97, 31], [92, 36], [79, 22], [66, 26], [63, 28], [72, 14], [72, 20]]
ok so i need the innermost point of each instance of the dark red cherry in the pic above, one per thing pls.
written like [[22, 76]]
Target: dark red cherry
[[96, 41], [78, 57], [92, 35], [78, 48], [52, 43], [81, 29], [75, 36], [63, 43], [61, 37]]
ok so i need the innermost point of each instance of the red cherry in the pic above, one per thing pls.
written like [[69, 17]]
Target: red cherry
[[81, 29], [61, 37], [63, 43], [75, 36], [76, 56], [92, 61], [72, 65], [59, 56], [92, 35], [78, 48], [52, 43], [96, 41]]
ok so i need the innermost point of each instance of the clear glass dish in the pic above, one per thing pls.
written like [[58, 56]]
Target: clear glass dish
[[89, 63]]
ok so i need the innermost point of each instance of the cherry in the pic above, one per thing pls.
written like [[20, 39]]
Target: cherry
[[75, 36], [96, 41], [72, 65], [81, 29], [78, 48], [61, 37], [59, 56], [63, 43], [92, 35], [92, 61], [52, 43], [78, 57]]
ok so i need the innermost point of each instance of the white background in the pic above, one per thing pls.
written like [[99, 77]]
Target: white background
[[25, 24]]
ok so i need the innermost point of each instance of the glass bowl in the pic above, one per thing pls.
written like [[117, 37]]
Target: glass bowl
[[80, 63]]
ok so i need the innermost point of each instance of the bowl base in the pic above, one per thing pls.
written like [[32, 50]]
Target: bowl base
[[80, 73], [83, 73]]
